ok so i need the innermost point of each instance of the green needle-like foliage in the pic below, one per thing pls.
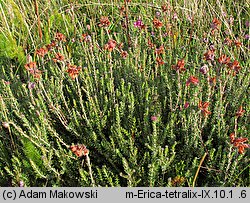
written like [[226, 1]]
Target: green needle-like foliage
[[124, 93]]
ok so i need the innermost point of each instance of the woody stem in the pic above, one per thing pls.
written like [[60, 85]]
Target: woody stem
[[90, 170], [127, 22], [199, 167], [38, 20], [235, 126]]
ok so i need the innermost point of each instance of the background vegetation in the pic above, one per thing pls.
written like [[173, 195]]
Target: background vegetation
[[158, 92]]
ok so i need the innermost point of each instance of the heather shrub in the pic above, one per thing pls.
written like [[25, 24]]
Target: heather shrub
[[124, 93]]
